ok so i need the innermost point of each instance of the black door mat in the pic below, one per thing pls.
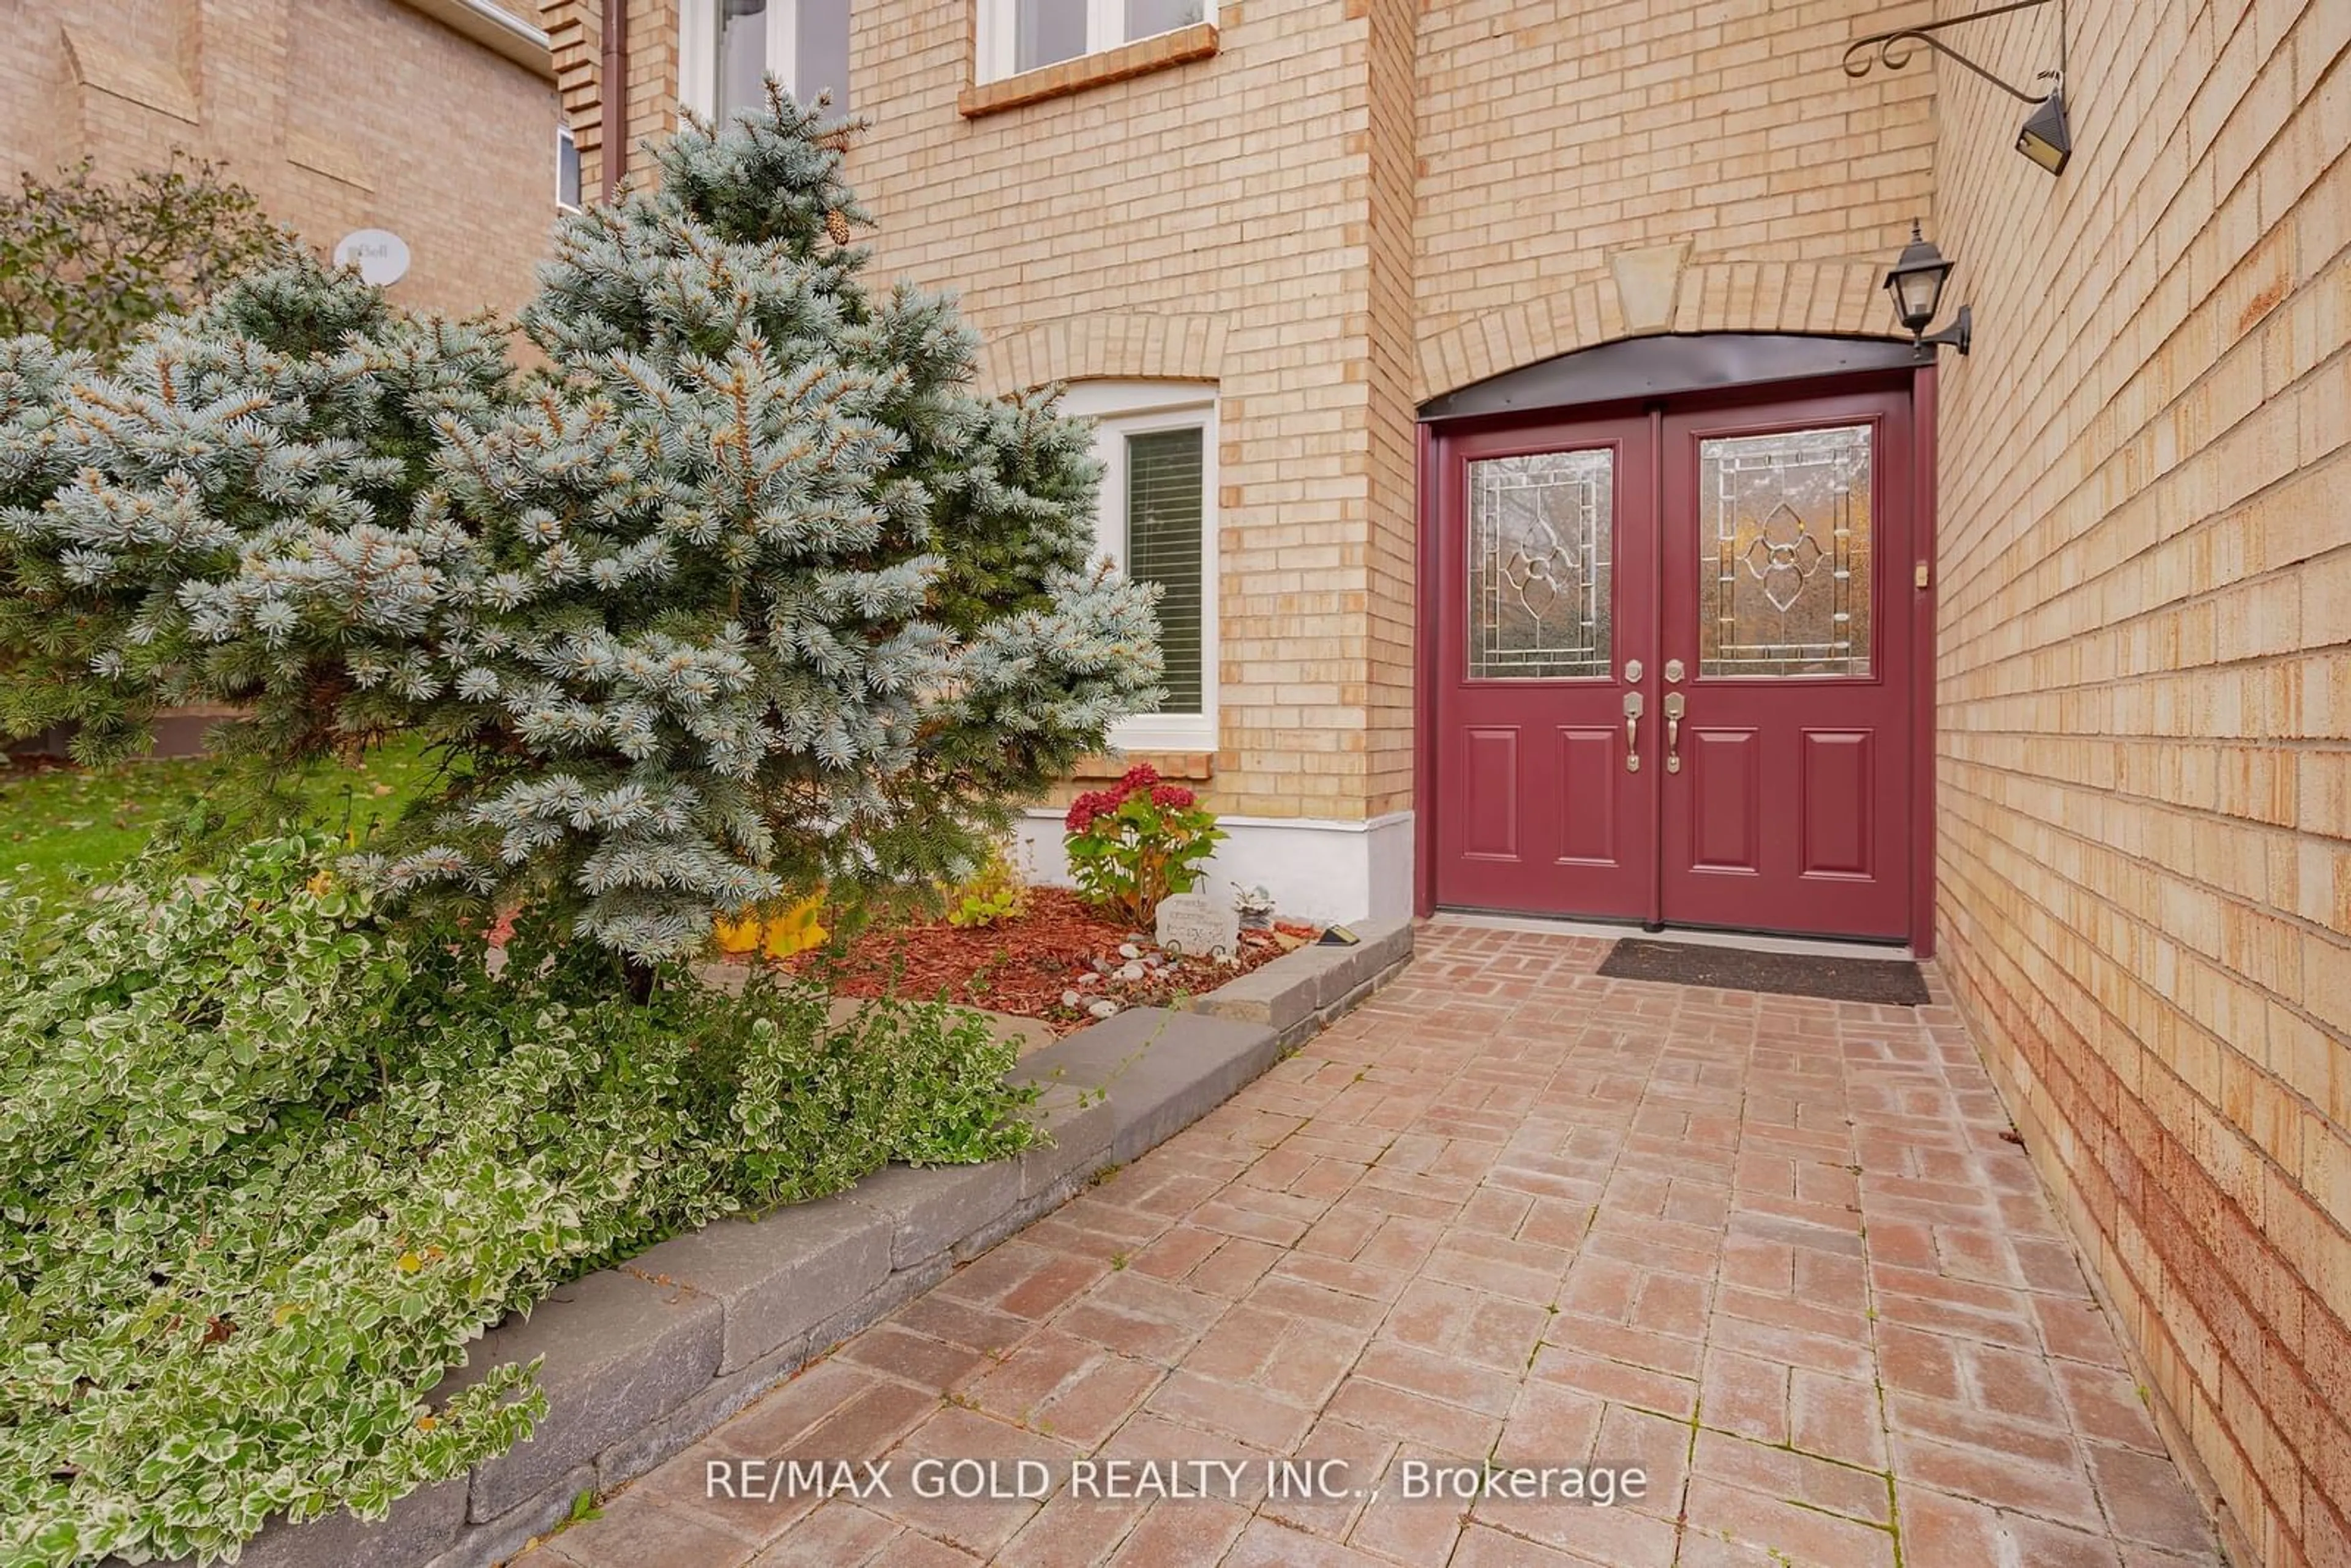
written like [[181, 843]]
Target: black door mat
[[1895, 982]]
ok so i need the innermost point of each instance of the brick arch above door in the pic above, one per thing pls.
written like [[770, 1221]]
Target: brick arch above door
[[1841, 298], [1111, 345]]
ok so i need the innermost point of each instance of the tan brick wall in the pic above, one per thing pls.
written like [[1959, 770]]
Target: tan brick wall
[[1349, 207], [1234, 194], [1551, 136], [1211, 220], [361, 113], [1390, 607], [2146, 686]]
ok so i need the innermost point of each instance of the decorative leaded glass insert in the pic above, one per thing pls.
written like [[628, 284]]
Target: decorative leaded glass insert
[[1785, 553], [1540, 528]]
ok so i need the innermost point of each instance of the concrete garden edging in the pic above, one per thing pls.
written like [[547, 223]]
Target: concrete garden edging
[[643, 1358]]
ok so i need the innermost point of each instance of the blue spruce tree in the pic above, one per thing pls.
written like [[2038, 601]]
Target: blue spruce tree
[[228, 511], [765, 595], [745, 592]]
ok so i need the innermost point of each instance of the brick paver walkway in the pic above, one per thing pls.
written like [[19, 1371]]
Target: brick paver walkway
[[1775, 1252]]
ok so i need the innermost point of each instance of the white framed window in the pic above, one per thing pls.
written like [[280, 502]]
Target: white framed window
[[1017, 36], [1157, 443], [566, 169], [727, 46]]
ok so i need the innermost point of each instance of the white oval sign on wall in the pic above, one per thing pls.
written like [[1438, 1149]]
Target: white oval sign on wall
[[381, 256]]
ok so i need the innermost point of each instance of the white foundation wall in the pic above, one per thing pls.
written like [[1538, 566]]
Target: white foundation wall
[[1321, 871]]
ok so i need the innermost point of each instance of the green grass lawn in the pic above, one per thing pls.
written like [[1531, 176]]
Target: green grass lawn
[[56, 822]]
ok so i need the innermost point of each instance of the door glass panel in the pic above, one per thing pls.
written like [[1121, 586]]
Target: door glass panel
[[1785, 553], [1541, 534]]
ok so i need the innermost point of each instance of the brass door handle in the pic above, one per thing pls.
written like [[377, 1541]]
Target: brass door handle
[[1673, 732], [1633, 704]]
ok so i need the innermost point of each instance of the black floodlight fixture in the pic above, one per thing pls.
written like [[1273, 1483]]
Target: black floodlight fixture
[[2047, 137]]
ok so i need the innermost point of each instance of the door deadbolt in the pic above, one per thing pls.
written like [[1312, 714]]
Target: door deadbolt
[[1633, 670], [1673, 669]]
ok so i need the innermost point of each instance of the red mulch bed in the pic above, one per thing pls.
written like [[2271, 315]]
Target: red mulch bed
[[1025, 965]]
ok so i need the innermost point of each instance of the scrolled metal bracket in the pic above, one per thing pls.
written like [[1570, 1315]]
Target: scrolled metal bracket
[[1895, 50]]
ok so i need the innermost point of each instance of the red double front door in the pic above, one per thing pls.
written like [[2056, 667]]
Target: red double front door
[[1672, 681]]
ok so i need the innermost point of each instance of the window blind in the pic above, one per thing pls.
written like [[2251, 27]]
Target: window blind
[[1164, 507]]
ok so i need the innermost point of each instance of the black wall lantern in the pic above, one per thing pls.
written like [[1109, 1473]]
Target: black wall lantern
[[2047, 139], [1915, 286]]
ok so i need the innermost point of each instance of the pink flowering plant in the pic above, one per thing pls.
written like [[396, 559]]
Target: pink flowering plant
[[1133, 845]]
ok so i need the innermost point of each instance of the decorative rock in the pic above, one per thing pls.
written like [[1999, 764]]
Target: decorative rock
[[1129, 950], [1070, 998], [1128, 972], [1103, 1009], [1090, 978], [1192, 922]]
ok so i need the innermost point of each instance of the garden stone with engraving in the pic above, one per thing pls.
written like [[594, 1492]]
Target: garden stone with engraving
[[1193, 924]]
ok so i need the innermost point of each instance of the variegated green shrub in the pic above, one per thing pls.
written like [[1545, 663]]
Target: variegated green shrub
[[265, 1170]]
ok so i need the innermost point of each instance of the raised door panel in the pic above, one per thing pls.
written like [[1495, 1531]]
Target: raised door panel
[[1725, 769], [1588, 786], [1490, 788], [1836, 781]]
